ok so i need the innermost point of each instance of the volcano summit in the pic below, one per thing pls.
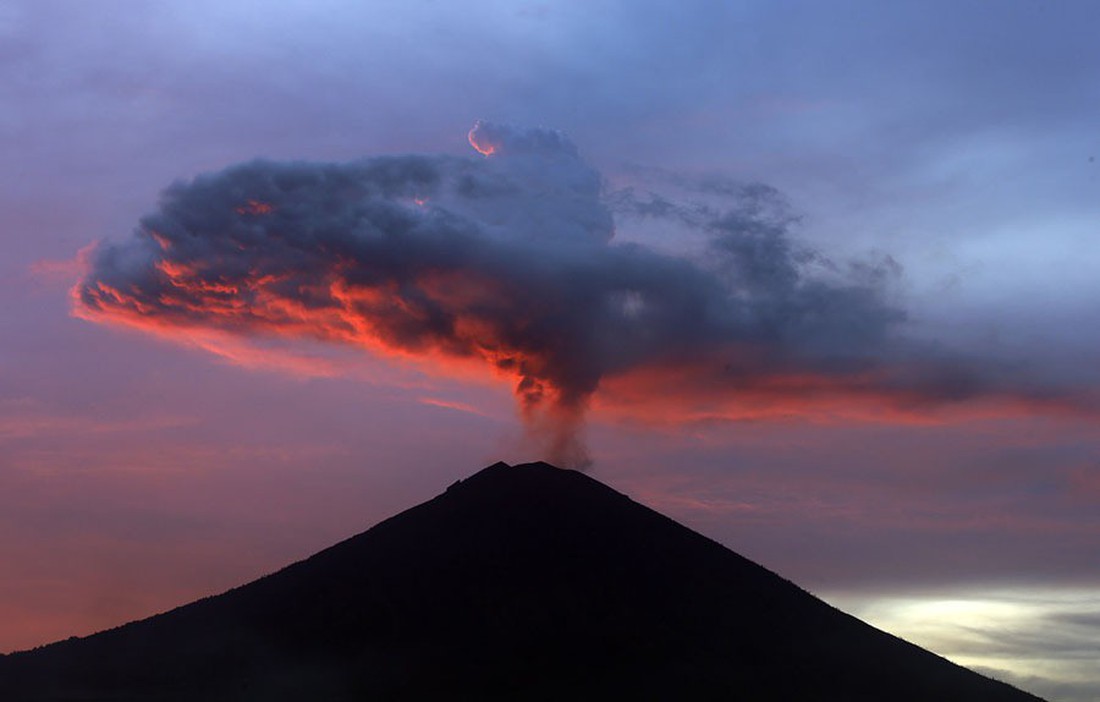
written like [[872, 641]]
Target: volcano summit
[[521, 583]]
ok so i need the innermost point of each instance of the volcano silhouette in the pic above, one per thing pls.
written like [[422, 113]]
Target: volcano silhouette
[[518, 583]]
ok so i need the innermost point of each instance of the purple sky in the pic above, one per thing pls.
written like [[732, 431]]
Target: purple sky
[[138, 472]]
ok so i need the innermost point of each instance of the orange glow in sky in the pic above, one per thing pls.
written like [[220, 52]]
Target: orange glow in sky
[[255, 207], [484, 149]]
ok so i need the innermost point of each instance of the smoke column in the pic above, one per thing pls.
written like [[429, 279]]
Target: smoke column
[[508, 258]]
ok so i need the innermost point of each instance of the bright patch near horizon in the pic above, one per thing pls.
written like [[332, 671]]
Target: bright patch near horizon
[[1027, 637]]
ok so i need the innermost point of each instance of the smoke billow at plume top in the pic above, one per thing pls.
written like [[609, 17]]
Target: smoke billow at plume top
[[508, 257]]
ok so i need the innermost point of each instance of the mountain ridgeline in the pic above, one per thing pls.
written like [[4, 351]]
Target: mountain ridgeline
[[518, 583]]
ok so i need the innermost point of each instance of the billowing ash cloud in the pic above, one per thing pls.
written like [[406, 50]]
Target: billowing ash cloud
[[507, 257]]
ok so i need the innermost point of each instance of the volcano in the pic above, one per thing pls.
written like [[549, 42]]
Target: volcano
[[520, 582]]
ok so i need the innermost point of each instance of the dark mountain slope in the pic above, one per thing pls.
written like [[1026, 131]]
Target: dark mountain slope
[[524, 583]]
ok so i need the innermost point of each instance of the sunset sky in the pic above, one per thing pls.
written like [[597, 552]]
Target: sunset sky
[[818, 280]]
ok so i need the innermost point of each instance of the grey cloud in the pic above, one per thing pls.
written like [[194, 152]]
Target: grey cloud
[[508, 260], [1049, 688]]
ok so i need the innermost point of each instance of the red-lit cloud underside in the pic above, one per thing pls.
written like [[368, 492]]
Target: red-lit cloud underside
[[221, 317]]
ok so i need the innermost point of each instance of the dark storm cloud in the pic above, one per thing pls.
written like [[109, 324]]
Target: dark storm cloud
[[506, 259], [749, 249]]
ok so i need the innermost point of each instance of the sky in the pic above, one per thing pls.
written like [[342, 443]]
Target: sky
[[815, 279]]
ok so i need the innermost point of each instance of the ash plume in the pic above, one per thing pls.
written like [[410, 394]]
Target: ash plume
[[508, 258]]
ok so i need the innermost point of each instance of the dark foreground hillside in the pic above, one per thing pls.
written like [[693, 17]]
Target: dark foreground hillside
[[519, 583]]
